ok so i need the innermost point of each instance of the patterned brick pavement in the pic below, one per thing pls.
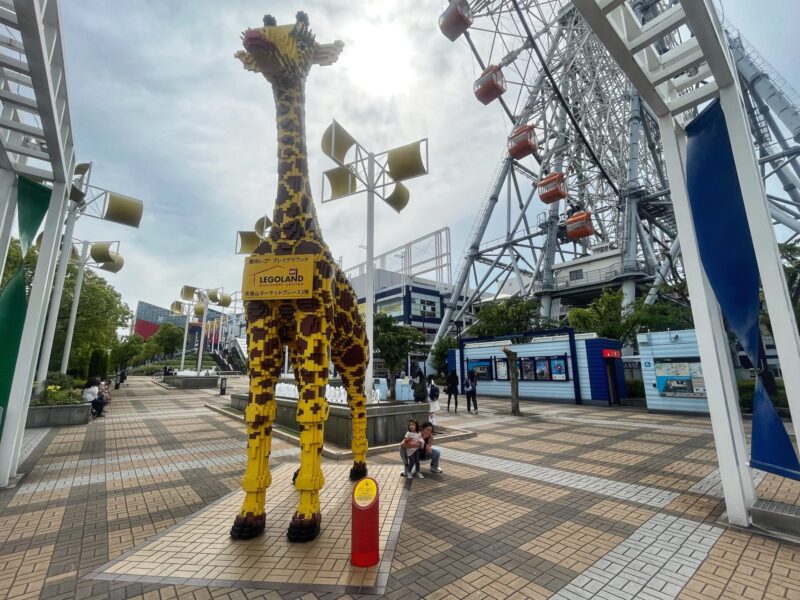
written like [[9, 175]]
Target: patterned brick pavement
[[568, 502]]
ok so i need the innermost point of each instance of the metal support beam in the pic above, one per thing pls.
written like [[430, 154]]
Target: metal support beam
[[19, 396]]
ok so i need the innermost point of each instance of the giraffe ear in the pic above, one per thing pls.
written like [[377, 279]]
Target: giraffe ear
[[327, 54]]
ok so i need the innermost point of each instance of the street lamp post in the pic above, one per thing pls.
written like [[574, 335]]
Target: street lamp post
[[184, 309], [373, 173], [102, 257], [94, 202]]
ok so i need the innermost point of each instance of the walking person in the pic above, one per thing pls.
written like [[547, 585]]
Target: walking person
[[471, 391], [420, 387], [452, 388], [433, 400]]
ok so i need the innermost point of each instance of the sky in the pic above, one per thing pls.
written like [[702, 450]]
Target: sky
[[166, 114]]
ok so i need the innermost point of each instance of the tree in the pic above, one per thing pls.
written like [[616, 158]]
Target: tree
[[439, 352], [169, 337], [512, 315], [98, 364], [125, 350], [604, 317], [100, 311], [394, 342]]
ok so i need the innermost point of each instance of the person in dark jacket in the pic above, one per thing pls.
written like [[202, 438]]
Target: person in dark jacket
[[452, 388], [471, 391], [420, 387], [768, 381]]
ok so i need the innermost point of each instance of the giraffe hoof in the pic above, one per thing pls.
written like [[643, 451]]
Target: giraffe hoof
[[248, 527], [304, 530], [359, 471]]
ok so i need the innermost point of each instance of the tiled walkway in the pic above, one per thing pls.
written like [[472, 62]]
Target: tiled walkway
[[566, 502]]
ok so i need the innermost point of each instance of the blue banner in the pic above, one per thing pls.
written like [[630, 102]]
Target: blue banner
[[729, 260]]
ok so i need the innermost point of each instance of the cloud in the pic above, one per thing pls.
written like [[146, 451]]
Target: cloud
[[167, 115]]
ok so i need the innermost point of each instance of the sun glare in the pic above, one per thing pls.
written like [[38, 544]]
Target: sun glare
[[378, 59]]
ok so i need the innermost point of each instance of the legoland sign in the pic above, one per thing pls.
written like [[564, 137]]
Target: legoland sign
[[272, 277]]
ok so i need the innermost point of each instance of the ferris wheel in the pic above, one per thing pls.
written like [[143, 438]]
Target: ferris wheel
[[581, 194]]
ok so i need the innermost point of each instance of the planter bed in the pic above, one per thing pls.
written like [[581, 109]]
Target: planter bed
[[58, 416], [387, 422]]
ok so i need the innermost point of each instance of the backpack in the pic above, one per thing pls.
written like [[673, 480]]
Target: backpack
[[433, 393]]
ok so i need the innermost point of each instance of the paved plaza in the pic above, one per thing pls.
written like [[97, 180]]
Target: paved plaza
[[565, 502]]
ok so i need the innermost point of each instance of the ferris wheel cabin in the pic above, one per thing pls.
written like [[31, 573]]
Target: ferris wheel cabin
[[522, 142], [553, 188], [579, 225], [455, 19], [490, 85]]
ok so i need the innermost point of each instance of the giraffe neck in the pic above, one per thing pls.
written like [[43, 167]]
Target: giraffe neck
[[294, 218]]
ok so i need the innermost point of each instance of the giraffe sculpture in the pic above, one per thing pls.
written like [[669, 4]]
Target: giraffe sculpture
[[327, 324]]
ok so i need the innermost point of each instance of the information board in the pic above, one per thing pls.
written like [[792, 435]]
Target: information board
[[273, 277]]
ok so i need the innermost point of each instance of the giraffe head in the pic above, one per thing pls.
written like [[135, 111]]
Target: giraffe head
[[285, 53]]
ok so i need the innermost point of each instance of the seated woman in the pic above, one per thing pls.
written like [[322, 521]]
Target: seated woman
[[90, 394]]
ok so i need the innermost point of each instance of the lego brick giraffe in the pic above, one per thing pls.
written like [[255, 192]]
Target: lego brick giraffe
[[314, 328]]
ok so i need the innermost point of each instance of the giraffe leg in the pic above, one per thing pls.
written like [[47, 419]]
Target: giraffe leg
[[265, 363], [312, 412], [351, 364], [350, 355]]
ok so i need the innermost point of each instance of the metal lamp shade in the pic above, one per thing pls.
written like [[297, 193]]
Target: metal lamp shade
[[224, 300], [398, 199], [114, 265], [248, 241], [124, 210], [82, 168], [214, 294], [406, 161], [342, 182], [187, 293], [336, 142], [101, 252], [198, 310], [261, 226], [176, 307]]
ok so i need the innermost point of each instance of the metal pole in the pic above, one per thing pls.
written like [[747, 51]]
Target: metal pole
[[73, 313], [773, 280], [20, 393], [726, 422], [202, 333], [55, 299], [185, 333], [369, 284], [8, 202]]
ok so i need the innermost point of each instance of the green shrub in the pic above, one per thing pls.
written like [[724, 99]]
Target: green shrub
[[747, 389], [59, 379], [54, 395], [635, 388]]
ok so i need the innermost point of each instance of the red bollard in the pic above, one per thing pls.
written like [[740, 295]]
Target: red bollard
[[364, 550]]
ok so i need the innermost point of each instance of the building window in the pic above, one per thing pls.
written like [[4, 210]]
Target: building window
[[576, 275], [393, 308], [421, 307]]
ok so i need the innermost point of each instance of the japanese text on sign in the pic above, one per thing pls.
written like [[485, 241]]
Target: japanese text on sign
[[271, 277]]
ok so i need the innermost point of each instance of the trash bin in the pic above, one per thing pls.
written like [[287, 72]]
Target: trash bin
[[117, 381], [223, 384]]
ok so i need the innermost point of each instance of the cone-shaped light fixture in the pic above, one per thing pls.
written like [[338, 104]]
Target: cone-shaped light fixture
[[398, 198], [124, 210], [247, 242], [187, 293], [341, 181], [336, 142], [405, 162]]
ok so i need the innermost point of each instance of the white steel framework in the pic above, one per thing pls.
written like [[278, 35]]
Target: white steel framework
[[36, 140], [596, 122]]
